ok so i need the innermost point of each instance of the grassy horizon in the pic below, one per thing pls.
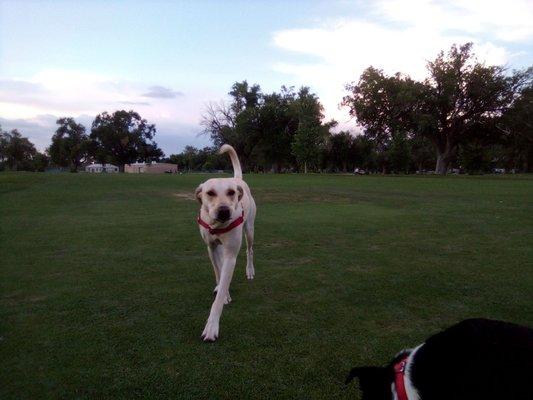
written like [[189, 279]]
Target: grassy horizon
[[106, 284]]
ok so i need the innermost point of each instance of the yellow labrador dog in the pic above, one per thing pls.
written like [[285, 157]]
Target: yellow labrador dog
[[227, 208]]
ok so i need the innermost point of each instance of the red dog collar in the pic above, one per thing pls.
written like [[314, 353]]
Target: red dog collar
[[219, 231], [399, 378]]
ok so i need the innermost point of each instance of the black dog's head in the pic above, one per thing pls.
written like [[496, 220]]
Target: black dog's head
[[374, 382]]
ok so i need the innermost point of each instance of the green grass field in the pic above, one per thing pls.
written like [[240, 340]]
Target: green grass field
[[106, 284]]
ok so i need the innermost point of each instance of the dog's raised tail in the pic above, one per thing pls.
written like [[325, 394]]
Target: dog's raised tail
[[237, 171]]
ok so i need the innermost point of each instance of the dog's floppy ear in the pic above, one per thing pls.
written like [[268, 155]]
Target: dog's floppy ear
[[198, 194], [373, 381], [367, 374], [357, 372], [241, 192]]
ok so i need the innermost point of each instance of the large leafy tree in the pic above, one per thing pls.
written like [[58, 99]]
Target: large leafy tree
[[384, 105], [462, 96], [123, 138], [450, 107], [387, 107], [70, 144], [16, 151]]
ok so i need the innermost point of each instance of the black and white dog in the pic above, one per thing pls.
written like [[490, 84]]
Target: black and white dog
[[474, 359]]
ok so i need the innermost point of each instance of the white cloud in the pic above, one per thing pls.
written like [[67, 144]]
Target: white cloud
[[508, 21], [397, 35], [33, 104], [74, 92]]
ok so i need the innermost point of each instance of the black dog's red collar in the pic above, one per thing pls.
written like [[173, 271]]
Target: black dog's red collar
[[399, 378], [219, 231]]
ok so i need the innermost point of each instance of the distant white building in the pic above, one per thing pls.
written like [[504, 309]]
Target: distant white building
[[153, 168], [99, 168]]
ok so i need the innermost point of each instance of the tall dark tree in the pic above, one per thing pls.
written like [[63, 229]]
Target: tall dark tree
[[3, 146], [16, 151], [399, 154], [70, 144], [276, 127], [341, 150], [363, 149], [235, 123], [474, 157], [178, 159], [311, 135], [263, 127], [123, 138], [190, 157], [423, 155], [517, 126], [40, 161]]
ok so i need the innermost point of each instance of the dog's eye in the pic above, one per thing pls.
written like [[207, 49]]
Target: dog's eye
[[211, 193], [231, 192]]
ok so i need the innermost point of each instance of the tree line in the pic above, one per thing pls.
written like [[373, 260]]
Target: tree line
[[464, 115], [119, 138]]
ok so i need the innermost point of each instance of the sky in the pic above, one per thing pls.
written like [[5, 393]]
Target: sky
[[168, 59]]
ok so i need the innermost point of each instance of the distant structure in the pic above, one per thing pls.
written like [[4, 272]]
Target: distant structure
[[99, 168], [153, 168]]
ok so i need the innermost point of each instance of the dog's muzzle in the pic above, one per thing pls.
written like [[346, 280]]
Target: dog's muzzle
[[223, 214]]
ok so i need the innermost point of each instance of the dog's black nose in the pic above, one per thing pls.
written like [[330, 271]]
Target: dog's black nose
[[223, 214]]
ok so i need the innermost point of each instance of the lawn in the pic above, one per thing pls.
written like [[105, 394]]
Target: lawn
[[105, 284]]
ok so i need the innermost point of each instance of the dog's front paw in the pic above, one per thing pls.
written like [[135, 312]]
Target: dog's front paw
[[250, 273], [210, 333], [227, 300]]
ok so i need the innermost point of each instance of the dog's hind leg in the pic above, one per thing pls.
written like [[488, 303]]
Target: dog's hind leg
[[249, 234]]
